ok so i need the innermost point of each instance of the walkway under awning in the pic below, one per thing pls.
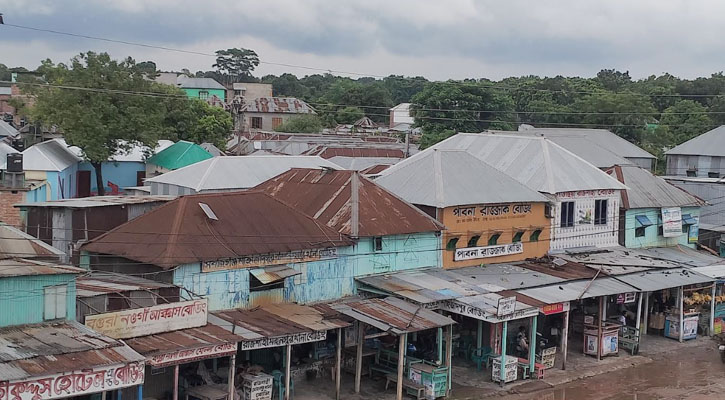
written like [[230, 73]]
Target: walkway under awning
[[658, 279], [393, 315], [277, 325], [186, 345], [48, 359]]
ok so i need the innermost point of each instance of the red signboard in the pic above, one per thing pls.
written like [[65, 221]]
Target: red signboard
[[555, 308]]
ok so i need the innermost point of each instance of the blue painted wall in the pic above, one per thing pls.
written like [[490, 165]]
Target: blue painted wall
[[318, 280], [121, 173], [22, 298], [652, 237]]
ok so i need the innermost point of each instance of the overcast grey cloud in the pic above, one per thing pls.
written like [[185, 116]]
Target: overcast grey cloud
[[435, 38]]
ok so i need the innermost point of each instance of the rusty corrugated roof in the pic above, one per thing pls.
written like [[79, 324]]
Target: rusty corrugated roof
[[16, 243], [564, 269], [273, 273], [287, 105], [24, 267], [54, 347], [181, 339], [327, 152], [248, 223], [97, 283], [393, 315], [326, 195]]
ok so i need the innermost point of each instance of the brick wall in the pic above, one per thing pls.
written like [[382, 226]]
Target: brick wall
[[9, 214]]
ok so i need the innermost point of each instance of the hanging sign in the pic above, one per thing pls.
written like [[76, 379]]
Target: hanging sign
[[506, 306], [624, 298], [261, 260], [556, 308], [184, 356], [693, 232], [472, 253], [671, 222], [277, 341]]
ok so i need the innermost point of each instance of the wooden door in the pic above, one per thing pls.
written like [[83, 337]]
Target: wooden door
[[83, 183]]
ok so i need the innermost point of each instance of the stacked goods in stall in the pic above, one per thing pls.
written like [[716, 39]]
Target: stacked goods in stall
[[547, 357], [256, 386], [509, 369]]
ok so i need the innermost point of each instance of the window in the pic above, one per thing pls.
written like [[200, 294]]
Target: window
[[276, 122], [567, 214], [473, 241], [691, 172], [600, 212], [660, 230], [535, 235], [639, 231], [493, 240], [255, 285], [685, 228], [713, 174], [55, 301], [547, 210], [203, 94], [517, 236], [451, 245], [255, 122], [378, 243]]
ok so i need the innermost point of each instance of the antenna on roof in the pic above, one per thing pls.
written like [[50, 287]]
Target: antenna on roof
[[208, 211]]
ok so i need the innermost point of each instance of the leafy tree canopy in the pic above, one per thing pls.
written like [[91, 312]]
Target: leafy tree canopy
[[302, 124]]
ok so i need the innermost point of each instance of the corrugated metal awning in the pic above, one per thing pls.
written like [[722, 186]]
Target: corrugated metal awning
[[648, 281], [574, 290], [273, 274], [643, 220], [393, 315], [713, 271]]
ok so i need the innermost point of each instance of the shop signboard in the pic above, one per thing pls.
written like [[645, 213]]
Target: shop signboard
[[80, 382], [184, 356], [150, 320], [506, 306], [671, 222], [556, 308], [477, 313], [277, 341], [626, 298], [694, 231], [472, 253], [261, 260]]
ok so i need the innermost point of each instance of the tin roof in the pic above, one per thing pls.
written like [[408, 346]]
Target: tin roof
[[710, 143], [423, 286], [287, 105], [247, 223], [645, 190], [713, 271], [236, 172], [393, 315], [445, 178], [536, 162], [326, 195], [10, 267], [327, 152], [683, 255], [178, 155], [51, 155], [99, 201], [16, 243], [182, 339], [273, 274], [651, 280], [7, 129], [55, 347], [96, 283], [273, 320], [184, 81], [507, 276], [579, 289]]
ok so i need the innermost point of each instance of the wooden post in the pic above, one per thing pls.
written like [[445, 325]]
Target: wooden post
[[288, 362], [232, 373], [358, 358], [449, 356], [712, 309], [682, 311], [503, 352], [565, 339], [646, 314], [401, 363], [532, 345], [338, 363], [176, 383], [599, 328]]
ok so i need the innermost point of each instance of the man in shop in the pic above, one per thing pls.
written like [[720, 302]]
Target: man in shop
[[522, 345], [623, 318]]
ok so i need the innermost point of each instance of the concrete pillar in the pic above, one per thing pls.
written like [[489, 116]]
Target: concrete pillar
[[712, 309], [449, 356], [176, 383], [338, 363], [358, 356], [565, 339], [503, 352], [532, 344], [287, 371], [479, 335], [439, 340], [232, 373], [599, 328], [682, 311], [401, 363], [646, 315]]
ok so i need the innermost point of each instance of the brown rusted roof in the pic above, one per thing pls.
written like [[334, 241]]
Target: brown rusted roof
[[569, 270], [24, 267], [95, 283], [329, 152], [393, 315], [375, 169], [326, 196], [247, 223], [189, 338], [54, 347], [287, 105]]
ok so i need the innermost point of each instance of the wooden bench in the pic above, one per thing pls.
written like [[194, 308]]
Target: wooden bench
[[386, 362], [407, 384], [538, 371]]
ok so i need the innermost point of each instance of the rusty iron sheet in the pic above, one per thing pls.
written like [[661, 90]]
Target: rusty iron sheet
[[393, 315], [182, 339], [327, 152], [326, 195], [25, 267], [285, 105]]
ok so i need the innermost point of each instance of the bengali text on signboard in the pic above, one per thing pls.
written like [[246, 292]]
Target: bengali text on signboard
[[472, 253], [277, 341], [147, 321], [261, 260], [671, 222], [183, 356], [477, 313]]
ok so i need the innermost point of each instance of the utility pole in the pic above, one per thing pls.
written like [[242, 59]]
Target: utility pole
[[237, 109]]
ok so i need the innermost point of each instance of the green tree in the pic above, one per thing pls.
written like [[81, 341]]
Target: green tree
[[196, 121], [444, 108], [624, 113], [682, 122], [613, 80], [287, 85], [301, 124], [236, 64], [149, 67], [101, 122], [348, 115], [373, 98]]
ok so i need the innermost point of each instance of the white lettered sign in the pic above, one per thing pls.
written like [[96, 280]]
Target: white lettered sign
[[472, 253]]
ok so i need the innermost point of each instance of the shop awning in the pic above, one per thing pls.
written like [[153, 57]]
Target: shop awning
[[643, 220], [273, 274], [392, 315], [659, 279], [580, 289], [687, 219], [485, 307], [277, 325], [185, 345], [712, 271], [47, 358]]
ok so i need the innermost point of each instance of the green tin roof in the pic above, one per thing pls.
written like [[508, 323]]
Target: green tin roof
[[180, 154]]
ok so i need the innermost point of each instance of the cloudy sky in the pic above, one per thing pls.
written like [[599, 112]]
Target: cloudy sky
[[439, 39]]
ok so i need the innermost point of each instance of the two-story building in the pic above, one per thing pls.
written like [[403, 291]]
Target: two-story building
[[655, 213], [267, 113], [586, 200], [489, 216]]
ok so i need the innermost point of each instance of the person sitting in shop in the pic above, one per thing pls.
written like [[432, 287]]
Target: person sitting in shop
[[522, 345], [623, 318]]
